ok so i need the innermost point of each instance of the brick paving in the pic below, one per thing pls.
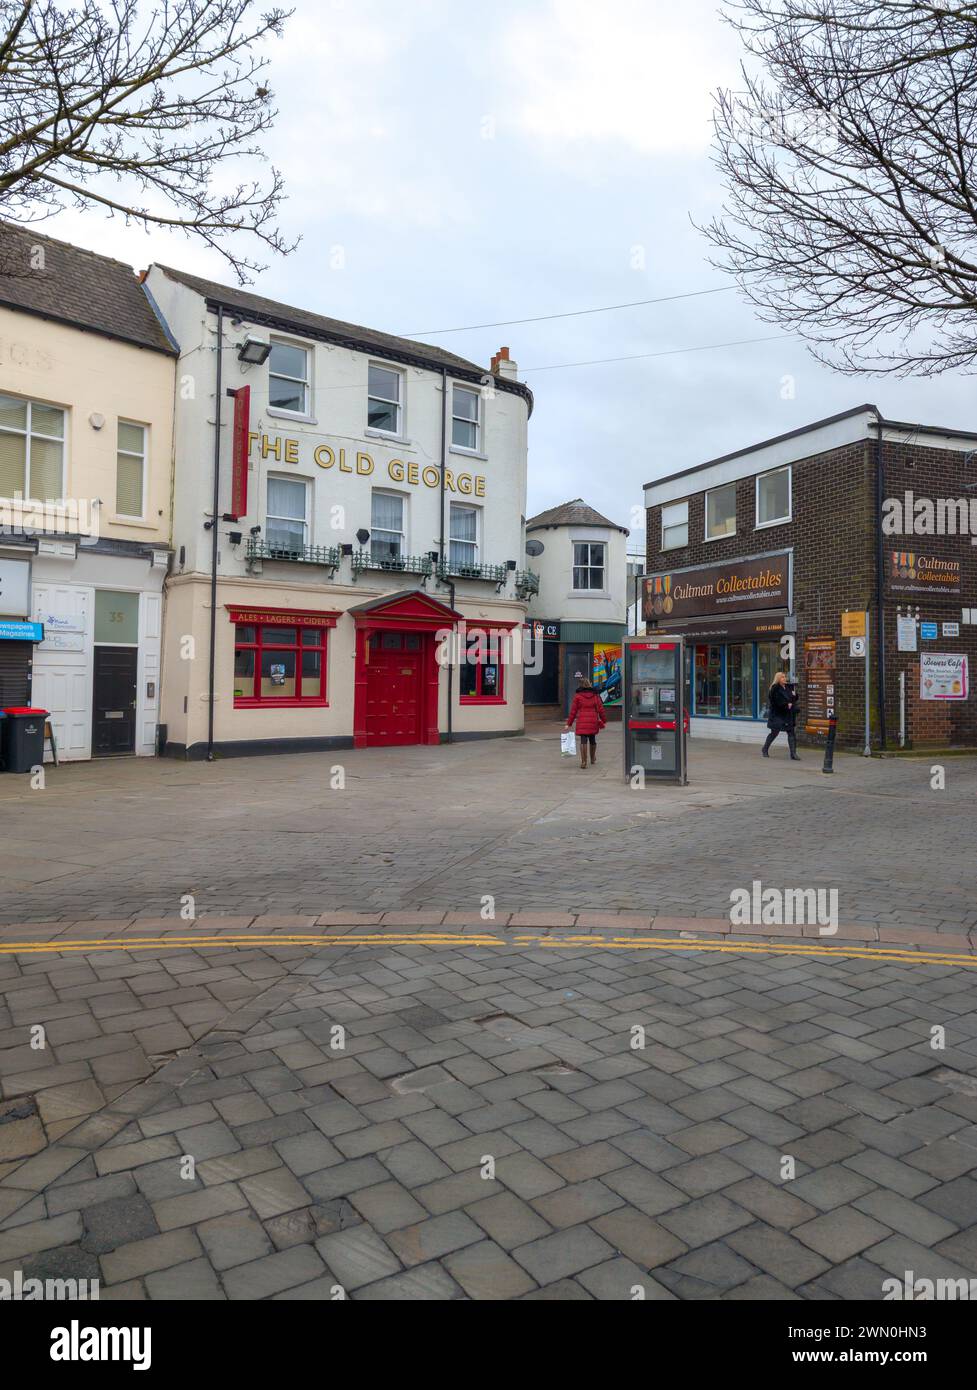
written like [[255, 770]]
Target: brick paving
[[434, 830], [495, 1125]]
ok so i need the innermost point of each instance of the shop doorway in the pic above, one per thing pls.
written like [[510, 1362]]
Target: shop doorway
[[114, 701], [395, 688], [575, 659]]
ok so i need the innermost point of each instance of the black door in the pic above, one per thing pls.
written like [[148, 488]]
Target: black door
[[114, 718], [577, 661]]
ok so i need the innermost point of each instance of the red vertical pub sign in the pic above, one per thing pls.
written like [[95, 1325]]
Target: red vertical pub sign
[[239, 452]]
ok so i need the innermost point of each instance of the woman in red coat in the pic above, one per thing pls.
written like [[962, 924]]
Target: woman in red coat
[[588, 712]]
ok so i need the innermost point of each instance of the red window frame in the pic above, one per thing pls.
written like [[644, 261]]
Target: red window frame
[[486, 635], [259, 646]]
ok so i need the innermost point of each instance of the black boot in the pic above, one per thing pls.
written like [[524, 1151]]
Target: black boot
[[765, 750], [792, 745]]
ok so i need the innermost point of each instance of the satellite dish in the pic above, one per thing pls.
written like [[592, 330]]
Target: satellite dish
[[534, 547]]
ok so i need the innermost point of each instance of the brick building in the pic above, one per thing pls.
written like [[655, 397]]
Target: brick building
[[851, 514]]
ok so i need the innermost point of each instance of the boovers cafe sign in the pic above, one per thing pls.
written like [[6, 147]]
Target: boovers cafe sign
[[359, 462], [737, 586]]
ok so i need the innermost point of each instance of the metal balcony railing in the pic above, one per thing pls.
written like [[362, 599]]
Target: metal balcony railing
[[450, 569], [259, 549], [402, 564], [526, 583]]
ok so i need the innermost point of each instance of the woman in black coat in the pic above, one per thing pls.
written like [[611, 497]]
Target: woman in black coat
[[783, 713]]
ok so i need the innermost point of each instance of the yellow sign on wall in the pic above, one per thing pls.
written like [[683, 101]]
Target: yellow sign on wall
[[853, 624]]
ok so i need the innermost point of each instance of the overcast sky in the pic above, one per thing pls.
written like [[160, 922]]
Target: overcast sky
[[478, 163]]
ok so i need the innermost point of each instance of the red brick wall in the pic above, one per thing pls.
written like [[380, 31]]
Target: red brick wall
[[833, 535]]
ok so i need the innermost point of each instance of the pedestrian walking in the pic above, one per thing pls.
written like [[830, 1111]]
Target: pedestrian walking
[[587, 710], [782, 704]]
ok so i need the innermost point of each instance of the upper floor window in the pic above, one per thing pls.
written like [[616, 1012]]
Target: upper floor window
[[588, 565], [463, 535], [721, 512], [288, 378], [465, 420], [130, 469], [387, 531], [385, 406], [773, 497], [31, 449], [675, 525], [286, 520]]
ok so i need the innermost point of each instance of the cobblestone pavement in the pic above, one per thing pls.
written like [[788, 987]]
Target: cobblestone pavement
[[497, 1125], [424, 828]]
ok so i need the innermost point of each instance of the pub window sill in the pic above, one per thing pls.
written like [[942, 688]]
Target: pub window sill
[[388, 435], [481, 699], [246, 702], [296, 417]]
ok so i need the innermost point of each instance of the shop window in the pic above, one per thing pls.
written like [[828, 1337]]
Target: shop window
[[769, 662], [588, 565], [709, 681], [279, 665], [481, 676], [130, 469], [739, 680], [31, 449], [773, 503], [721, 512], [384, 406], [288, 378], [464, 418], [286, 526], [675, 525]]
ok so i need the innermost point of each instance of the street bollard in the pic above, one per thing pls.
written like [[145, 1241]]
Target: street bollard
[[829, 747]]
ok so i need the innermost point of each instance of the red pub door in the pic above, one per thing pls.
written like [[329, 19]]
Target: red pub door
[[394, 690]]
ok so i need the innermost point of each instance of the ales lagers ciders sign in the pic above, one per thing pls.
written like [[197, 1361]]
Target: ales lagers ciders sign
[[735, 587]]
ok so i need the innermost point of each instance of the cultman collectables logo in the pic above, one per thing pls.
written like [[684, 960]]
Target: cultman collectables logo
[[912, 571]]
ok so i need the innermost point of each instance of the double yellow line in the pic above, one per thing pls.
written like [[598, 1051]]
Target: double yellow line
[[895, 954]]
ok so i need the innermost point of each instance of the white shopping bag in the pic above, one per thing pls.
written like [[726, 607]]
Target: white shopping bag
[[568, 743]]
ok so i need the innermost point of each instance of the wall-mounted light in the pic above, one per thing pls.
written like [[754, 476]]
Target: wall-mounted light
[[511, 564], [234, 537], [253, 350], [255, 531], [346, 549]]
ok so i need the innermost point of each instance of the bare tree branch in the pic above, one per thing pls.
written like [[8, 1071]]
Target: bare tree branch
[[140, 112], [848, 162]]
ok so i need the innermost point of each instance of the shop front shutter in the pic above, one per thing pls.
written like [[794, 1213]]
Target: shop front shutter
[[15, 673]]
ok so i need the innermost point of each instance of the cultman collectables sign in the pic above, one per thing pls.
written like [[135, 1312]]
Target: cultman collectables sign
[[920, 572], [734, 587]]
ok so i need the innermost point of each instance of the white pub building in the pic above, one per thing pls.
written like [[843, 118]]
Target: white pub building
[[343, 499]]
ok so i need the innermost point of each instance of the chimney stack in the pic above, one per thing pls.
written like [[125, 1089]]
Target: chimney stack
[[502, 365]]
